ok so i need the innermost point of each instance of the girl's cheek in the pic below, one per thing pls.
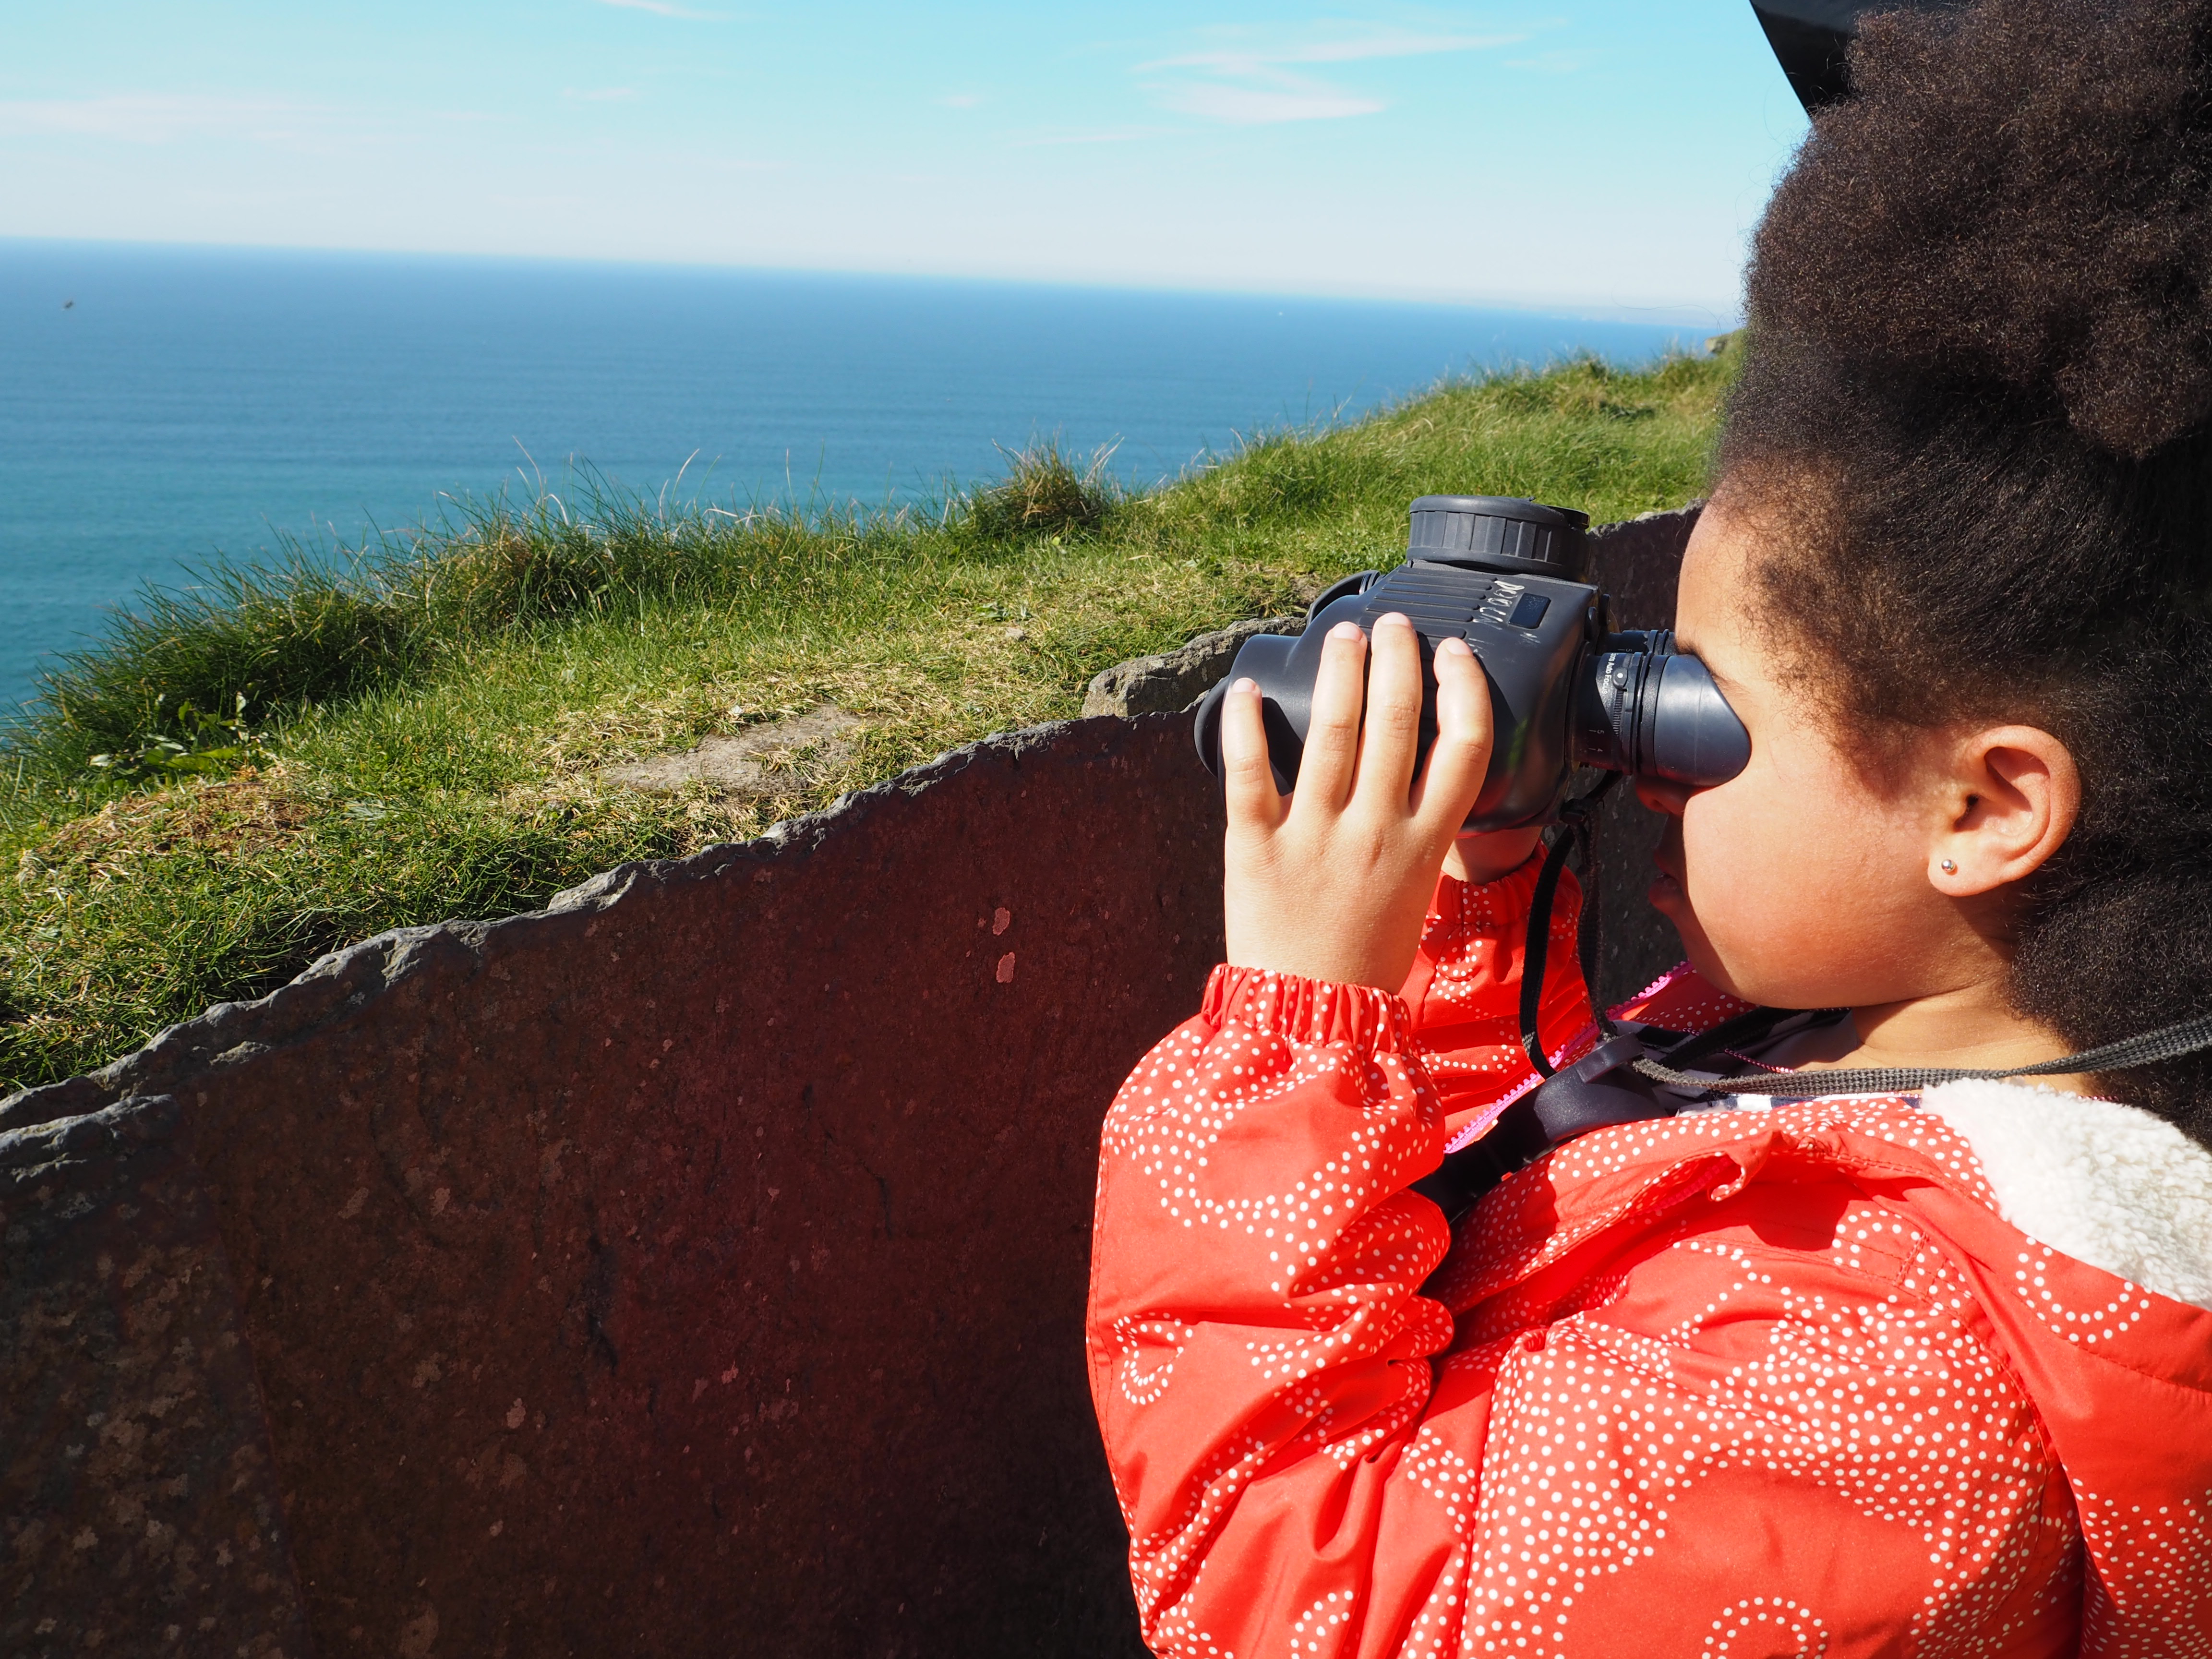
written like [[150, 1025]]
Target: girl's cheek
[[1744, 862], [1715, 844]]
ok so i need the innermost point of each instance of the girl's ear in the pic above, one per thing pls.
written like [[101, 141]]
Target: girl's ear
[[2008, 801]]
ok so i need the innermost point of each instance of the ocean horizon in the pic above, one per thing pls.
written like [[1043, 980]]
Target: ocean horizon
[[163, 407]]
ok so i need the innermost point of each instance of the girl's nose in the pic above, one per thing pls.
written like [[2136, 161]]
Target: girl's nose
[[1661, 796]]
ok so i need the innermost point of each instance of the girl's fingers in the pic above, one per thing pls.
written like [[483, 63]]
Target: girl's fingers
[[1248, 781], [1331, 752], [1461, 759], [1393, 737]]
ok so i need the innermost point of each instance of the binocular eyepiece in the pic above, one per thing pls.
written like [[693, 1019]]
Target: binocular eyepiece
[[1506, 575]]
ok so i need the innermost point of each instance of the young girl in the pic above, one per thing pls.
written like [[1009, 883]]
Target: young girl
[[1814, 1375]]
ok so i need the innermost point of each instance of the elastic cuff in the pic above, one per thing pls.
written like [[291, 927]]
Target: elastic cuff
[[1512, 893], [1306, 1010]]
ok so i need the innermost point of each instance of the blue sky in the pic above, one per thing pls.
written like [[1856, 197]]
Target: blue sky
[[1606, 156]]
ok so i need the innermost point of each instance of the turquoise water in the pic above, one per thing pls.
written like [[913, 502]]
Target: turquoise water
[[194, 401]]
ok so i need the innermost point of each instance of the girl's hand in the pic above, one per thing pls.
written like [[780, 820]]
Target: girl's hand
[[1334, 882]]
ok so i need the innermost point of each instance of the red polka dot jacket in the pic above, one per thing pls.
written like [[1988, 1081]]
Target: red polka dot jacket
[[1766, 1382]]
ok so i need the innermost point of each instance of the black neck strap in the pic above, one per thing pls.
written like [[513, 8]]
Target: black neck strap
[[2189, 1036], [1577, 820]]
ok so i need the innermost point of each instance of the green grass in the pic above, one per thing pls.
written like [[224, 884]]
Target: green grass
[[244, 776]]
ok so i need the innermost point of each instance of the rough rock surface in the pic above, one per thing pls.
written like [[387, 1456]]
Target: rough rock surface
[[1173, 681], [696, 1266], [139, 1510]]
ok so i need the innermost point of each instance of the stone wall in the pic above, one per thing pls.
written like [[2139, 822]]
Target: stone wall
[[696, 1267], [139, 1507], [1635, 563]]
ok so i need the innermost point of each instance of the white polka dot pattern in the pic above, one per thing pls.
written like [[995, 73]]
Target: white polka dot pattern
[[1773, 1627], [2152, 1604], [1737, 1383], [2117, 1314], [1464, 992], [1681, 1002]]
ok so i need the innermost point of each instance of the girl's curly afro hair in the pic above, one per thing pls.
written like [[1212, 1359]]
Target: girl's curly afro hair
[[1978, 388]]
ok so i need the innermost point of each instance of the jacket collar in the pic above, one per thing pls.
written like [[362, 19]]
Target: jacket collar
[[2106, 1183]]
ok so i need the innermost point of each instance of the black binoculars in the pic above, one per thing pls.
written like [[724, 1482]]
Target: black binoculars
[[1565, 690]]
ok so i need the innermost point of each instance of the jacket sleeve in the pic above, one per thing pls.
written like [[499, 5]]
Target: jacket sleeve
[[1258, 1348], [1637, 1428]]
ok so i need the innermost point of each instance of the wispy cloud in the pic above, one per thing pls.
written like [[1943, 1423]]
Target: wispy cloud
[[1245, 107], [598, 94], [1250, 79], [151, 119], [1111, 135], [663, 9]]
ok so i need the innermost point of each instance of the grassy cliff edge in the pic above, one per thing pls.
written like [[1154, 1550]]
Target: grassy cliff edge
[[239, 779]]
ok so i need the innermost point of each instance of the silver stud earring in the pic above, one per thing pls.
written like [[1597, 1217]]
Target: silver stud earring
[[1949, 868]]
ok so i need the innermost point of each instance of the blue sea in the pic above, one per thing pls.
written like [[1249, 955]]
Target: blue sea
[[162, 405]]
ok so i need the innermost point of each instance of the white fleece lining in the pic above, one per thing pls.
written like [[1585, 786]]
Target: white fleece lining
[[2108, 1184]]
